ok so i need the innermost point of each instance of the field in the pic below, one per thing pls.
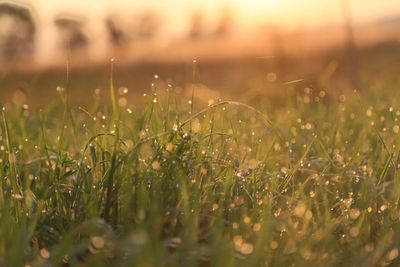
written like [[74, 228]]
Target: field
[[307, 173]]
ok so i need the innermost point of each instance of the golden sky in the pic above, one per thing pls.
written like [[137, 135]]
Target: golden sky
[[284, 12], [176, 15]]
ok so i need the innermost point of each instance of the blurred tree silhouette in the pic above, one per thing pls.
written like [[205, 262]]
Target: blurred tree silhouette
[[115, 33], [148, 26], [225, 24], [17, 31], [196, 30], [351, 57], [72, 35]]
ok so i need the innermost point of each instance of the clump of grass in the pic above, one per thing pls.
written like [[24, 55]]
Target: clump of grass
[[312, 182]]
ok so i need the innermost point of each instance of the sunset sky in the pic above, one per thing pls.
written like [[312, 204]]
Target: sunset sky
[[284, 12], [176, 15]]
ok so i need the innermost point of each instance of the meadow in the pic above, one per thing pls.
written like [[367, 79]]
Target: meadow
[[311, 177]]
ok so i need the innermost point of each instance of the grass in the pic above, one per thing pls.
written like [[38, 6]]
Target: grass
[[175, 183]]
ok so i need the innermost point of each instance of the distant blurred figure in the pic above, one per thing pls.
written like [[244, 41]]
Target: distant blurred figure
[[17, 31]]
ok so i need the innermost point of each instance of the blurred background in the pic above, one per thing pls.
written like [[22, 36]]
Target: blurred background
[[242, 48]]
